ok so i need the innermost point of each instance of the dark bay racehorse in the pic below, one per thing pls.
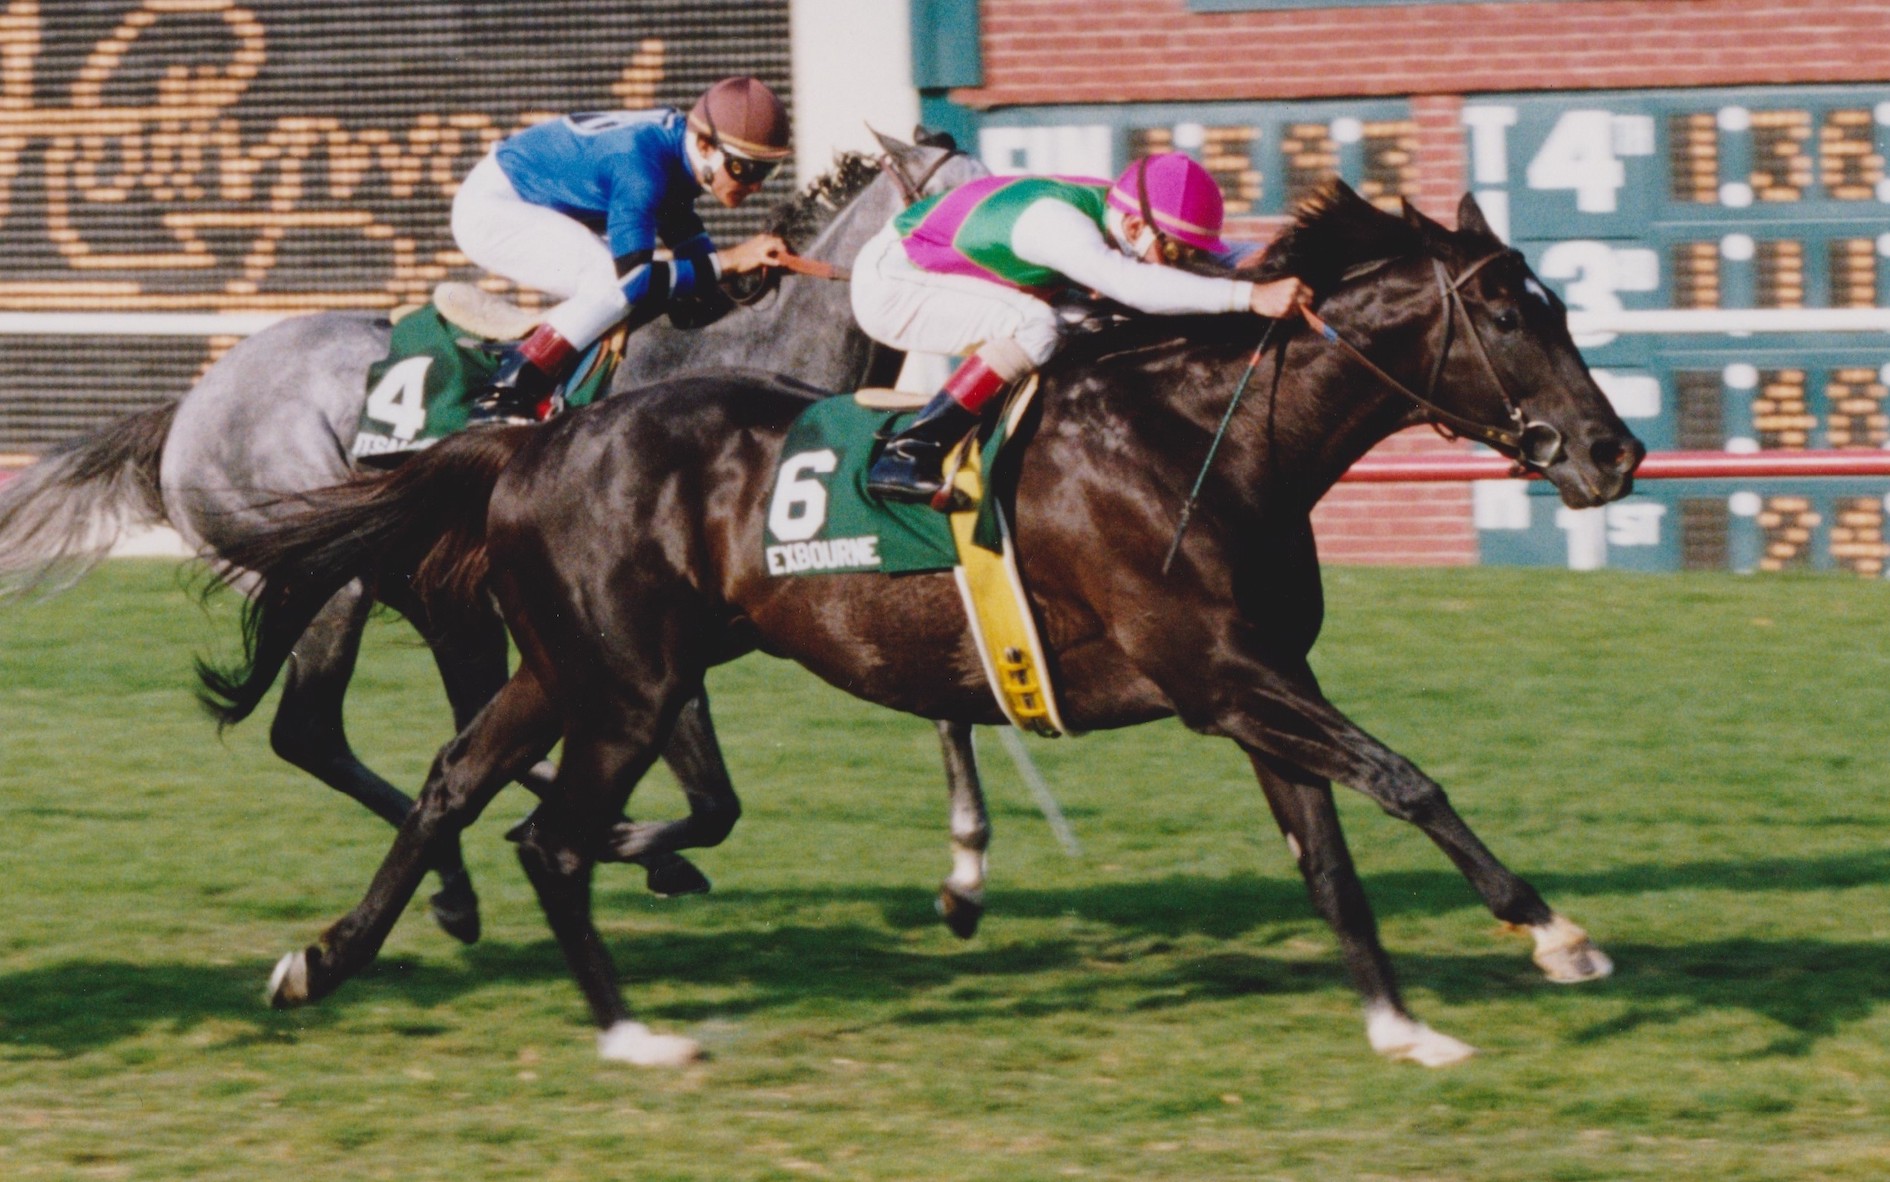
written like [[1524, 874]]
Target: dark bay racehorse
[[277, 414], [640, 520]]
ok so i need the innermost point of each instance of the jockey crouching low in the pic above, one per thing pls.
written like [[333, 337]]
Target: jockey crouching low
[[533, 210], [970, 269]]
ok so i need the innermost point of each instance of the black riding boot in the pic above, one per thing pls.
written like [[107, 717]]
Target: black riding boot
[[517, 389], [910, 466]]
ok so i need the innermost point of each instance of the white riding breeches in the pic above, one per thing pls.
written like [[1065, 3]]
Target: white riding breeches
[[900, 305], [539, 248]]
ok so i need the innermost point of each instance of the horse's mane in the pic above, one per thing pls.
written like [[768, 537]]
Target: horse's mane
[[1334, 230], [802, 217]]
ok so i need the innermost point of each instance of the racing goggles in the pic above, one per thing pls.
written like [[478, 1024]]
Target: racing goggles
[[744, 171], [1176, 253]]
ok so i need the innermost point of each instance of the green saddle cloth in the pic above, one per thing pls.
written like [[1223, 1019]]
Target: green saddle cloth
[[423, 390], [821, 519]]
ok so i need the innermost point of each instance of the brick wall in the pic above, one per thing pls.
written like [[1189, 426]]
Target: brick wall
[[1095, 51], [1399, 524], [1118, 51]]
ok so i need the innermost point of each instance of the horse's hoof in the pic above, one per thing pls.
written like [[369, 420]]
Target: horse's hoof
[[960, 912], [1403, 1038], [1566, 955], [675, 875], [523, 829], [288, 984], [637, 1044], [456, 910]]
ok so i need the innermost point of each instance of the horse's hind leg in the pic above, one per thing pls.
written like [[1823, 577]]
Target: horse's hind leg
[[470, 652], [695, 758], [514, 731], [308, 732], [595, 779], [961, 895], [1303, 807]]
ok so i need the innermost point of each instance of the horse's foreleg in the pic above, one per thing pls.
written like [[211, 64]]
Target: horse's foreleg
[[308, 732], [1303, 728], [1302, 805], [514, 730], [1276, 707], [961, 895]]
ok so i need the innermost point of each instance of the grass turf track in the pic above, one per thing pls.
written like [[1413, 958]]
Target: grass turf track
[[1692, 766]]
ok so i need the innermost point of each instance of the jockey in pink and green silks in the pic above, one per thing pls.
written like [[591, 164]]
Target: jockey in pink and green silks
[[970, 270]]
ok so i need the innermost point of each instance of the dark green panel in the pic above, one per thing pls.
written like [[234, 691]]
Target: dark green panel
[[939, 113], [1729, 198], [945, 50], [1263, 154], [1609, 164], [1745, 396]]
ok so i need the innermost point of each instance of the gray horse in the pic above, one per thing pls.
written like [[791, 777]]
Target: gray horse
[[277, 415]]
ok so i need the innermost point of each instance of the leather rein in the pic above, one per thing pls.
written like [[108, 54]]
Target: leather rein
[[911, 190], [1533, 444]]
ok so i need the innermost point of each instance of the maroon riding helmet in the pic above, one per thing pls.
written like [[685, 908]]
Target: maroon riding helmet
[[743, 118]]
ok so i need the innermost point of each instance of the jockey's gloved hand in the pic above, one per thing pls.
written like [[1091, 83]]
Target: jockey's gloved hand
[[1280, 297], [763, 250]]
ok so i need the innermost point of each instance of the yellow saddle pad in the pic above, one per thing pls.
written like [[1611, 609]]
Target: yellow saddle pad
[[1002, 625]]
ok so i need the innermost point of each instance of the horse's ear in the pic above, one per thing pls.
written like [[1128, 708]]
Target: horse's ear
[[889, 145], [1470, 219], [927, 138]]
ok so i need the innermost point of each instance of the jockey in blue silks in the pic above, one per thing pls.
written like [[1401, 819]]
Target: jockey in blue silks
[[577, 206]]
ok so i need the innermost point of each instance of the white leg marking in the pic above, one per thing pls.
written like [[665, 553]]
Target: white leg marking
[[1400, 1036], [637, 1044], [1292, 846], [1566, 954], [967, 876], [288, 984]]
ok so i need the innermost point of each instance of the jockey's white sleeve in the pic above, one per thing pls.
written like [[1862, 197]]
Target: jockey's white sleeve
[[1057, 235]]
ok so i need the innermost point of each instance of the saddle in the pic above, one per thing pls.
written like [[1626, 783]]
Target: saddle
[[442, 353], [822, 521]]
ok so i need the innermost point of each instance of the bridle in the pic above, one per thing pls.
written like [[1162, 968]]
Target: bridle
[[914, 191], [910, 190], [1533, 444]]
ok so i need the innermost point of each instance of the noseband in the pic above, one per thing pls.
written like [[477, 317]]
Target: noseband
[[1533, 444]]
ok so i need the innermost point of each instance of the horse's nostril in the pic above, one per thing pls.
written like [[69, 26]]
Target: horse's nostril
[[1615, 455]]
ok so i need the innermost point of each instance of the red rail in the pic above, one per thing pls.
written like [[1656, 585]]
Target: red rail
[[1660, 465]]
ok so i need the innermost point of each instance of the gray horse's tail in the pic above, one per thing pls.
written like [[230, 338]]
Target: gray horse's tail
[[62, 515], [415, 537]]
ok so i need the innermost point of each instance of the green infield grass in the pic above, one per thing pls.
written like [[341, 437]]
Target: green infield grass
[[1693, 767]]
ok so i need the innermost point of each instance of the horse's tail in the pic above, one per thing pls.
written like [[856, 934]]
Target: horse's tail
[[421, 527], [61, 516]]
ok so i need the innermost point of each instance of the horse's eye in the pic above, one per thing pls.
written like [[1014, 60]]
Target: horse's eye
[[1507, 320]]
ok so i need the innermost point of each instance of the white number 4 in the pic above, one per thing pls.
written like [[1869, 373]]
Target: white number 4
[[1579, 155], [399, 399]]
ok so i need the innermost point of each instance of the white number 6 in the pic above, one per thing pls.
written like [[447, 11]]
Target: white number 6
[[799, 507]]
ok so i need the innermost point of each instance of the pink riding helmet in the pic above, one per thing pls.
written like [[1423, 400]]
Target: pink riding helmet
[[1176, 195]]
